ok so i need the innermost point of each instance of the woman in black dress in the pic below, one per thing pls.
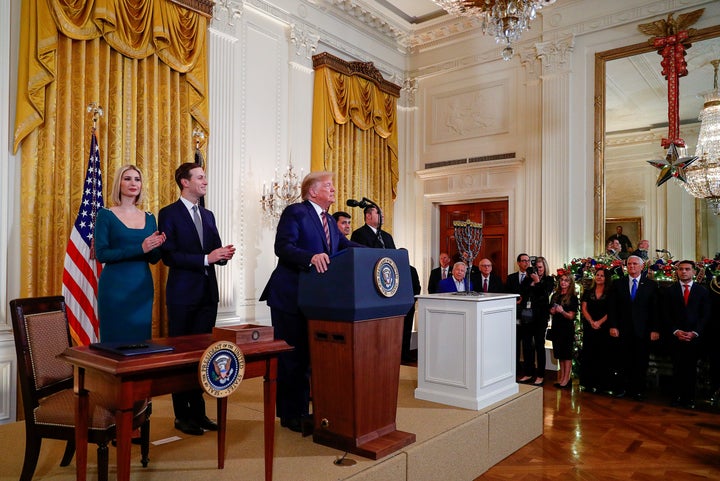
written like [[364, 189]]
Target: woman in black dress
[[564, 307], [596, 334]]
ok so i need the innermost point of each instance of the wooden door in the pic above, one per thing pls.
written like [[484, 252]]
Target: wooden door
[[494, 217]]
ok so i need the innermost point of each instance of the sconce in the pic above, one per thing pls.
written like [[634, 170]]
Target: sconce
[[281, 193]]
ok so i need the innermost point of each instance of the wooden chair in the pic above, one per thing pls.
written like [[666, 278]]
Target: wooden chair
[[42, 333]]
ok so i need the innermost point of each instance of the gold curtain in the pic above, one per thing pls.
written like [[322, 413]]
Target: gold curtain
[[354, 132], [145, 63]]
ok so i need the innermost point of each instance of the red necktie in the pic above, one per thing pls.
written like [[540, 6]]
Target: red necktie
[[485, 285], [326, 228], [686, 294]]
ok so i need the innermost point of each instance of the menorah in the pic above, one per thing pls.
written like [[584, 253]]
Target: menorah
[[468, 235]]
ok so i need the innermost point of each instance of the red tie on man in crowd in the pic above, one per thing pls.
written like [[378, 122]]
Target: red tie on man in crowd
[[485, 285], [686, 293]]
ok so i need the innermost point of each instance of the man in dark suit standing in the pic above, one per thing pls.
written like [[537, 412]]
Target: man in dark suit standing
[[306, 238], [632, 318], [369, 235], [519, 283], [191, 251], [487, 281], [687, 311], [439, 273]]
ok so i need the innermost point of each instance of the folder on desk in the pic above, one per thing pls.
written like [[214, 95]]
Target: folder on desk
[[131, 349]]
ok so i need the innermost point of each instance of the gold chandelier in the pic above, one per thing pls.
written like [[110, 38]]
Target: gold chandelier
[[504, 19], [703, 176]]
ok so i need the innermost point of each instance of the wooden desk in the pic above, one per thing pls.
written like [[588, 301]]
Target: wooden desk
[[134, 378]]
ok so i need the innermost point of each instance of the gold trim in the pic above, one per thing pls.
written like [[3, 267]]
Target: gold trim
[[600, 59], [203, 7]]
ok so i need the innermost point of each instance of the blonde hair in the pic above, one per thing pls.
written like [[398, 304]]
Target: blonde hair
[[311, 180], [115, 196]]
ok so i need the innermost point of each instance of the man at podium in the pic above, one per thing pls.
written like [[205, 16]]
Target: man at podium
[[306, 237]]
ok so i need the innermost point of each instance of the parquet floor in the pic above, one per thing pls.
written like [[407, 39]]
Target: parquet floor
[[594, 437]]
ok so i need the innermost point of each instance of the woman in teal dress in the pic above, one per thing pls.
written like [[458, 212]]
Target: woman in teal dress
[[126, 240]]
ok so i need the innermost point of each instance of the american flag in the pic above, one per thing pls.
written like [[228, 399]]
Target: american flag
[[81, 271]]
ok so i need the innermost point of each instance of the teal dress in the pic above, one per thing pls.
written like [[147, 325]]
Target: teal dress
[[125, 290]]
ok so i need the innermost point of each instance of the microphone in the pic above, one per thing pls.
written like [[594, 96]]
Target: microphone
[[356, 203], [661, 250]]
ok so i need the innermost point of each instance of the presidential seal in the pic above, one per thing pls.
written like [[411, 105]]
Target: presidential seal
[[221, 369], [387, 276]]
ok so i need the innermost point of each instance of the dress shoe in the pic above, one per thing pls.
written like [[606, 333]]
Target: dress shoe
[[689, 404], [618, 393], [188, 426], [676, 402], [638, 396], [293, 424], [538, 382], [207, 423]]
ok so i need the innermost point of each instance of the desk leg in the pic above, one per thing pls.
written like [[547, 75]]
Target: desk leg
[[123, 434], [269, 396], [81, 425], [222, 423]]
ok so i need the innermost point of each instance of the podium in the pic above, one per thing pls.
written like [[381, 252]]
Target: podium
[[355, 315]]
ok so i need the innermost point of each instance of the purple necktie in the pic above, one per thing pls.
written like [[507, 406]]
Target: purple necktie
[[326, 228]]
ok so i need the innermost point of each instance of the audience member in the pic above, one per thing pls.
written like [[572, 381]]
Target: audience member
[[371, 234], [564, 307], [633, 319], [533, 332], [687, 311], [488, 281], [439, 273], [642, 250], [456, 282], [519, 283], [343, 222], [594, 359]]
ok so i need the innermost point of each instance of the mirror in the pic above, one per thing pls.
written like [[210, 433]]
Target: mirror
[[630, 122]]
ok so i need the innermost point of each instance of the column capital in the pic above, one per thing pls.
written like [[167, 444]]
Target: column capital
[[555, 55]]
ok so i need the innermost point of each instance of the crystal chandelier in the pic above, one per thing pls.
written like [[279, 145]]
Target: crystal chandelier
[[281, 193], [504, 19], [703, 176]]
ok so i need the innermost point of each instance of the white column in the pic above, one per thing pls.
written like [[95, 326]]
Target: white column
[[225, 152], [532, 132], [557, 169]]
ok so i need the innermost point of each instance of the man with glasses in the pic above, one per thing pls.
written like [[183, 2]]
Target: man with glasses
[[519, 283], [487, 280]]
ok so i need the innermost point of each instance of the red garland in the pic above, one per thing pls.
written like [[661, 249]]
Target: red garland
[[673, 49]]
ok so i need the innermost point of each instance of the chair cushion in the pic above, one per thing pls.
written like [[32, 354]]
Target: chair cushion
[[59, 410]]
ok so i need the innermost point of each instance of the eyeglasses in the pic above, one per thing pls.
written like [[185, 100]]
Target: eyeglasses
[[485, 265], [524, 260]]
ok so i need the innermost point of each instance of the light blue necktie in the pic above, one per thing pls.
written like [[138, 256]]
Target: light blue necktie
[[633, 291]]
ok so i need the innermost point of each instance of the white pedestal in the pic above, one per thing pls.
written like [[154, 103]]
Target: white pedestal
[[466, 349]]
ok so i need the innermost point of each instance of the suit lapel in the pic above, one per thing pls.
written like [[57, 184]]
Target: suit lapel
[[190, 223]]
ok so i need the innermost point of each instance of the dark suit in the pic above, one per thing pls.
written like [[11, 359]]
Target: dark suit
[[495, 284], [410, 318], [692, 317], [299, 237], [448, 285], [514, 286], [436, 277], [364, 235], [635, 320], [192, 291]]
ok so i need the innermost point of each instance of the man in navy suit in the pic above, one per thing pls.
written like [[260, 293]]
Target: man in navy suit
[[456, 282], [191, 251], [632, 318], [301, 243], [369, 235], [685, 316]]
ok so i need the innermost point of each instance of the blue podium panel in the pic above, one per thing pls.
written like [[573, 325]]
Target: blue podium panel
[[359, 284]]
